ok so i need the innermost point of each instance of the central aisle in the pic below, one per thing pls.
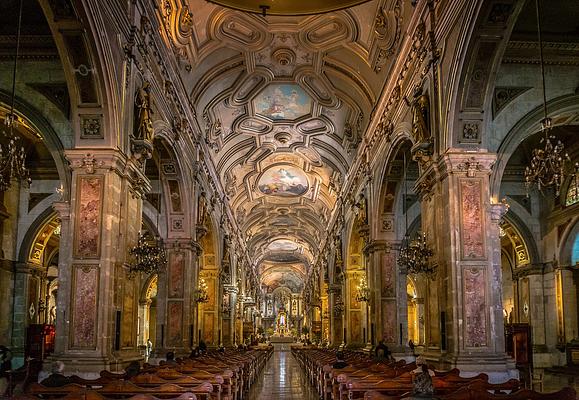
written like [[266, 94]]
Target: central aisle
[[282, 378]]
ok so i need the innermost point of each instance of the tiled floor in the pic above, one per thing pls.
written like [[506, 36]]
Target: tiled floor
[[283, 379]]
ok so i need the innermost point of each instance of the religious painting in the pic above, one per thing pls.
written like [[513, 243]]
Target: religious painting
[[475, 306], [388, 266], [282, 245], [84, 306], [175, 323], [283, 181], [176, 271], [87, 239], [389, 321], [472, 223], [283, 102]]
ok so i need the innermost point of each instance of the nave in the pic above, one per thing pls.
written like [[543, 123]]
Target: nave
[[178, 175], [282, 379]]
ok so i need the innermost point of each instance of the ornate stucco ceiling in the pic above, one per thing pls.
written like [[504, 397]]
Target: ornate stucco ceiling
[[283, 103]]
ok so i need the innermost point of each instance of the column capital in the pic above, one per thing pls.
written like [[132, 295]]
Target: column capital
[[466, 163], [375, 246], [62, 208]]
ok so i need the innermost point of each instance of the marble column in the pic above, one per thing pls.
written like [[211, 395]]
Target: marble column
[[461, 221], [97, 301], [388, 288], [176, 308]]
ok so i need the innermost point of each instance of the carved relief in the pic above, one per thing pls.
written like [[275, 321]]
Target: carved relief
[[472, 219], [91, 126], [176, 274], [84, 310], [387, 27], [87, 238], [175, 195], [474, 283], [174, 323], [326, 31], [479, 73], [241, 31], [470, 132], [503, 95]]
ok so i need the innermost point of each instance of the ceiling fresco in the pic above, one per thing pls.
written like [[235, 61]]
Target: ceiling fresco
[[283, 180], [282, 245], [282, 104], [282, 101]]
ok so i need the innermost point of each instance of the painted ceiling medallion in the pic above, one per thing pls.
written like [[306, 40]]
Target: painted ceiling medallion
[[288, 7], [284, 181], [282, 245], [282, 102]]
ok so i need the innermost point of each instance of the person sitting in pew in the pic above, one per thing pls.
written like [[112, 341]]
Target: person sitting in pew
[[133, 369], [56, 379], [423, 388], [340, 362], [170, 358], [382, 352]]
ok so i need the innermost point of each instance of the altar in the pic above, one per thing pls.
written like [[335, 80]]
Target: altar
[[282, 328]]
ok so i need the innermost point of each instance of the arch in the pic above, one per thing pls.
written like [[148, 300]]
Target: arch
[[521, 238], [485, 32], [92, 52], [527, 126], [568, 253], [46, 130], [34, 234]]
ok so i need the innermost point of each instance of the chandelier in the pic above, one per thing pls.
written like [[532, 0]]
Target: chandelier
[[415, 255], [201, 294], [288, 7], [363, 291], [147, 257], [12, 154], [548, 165]]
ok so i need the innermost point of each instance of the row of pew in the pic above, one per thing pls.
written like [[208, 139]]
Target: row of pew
[[212, 376], [367, 378]]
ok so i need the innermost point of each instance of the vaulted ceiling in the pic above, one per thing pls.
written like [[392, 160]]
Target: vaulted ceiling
[[283, 103]]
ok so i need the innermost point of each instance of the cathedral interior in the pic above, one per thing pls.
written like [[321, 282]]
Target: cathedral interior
[[324, 174]]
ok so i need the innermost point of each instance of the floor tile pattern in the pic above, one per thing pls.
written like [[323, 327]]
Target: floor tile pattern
[[282, 379]]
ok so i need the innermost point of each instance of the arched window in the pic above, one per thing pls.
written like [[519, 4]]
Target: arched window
[[572, 193], [575, 252]]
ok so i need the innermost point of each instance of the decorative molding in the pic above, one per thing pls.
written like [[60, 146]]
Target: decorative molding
[[91, 126], [503, 95]]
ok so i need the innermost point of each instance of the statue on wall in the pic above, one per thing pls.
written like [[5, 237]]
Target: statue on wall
[[421, 118], [143, 112]]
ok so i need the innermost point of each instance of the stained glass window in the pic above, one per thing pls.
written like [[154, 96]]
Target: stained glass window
[[572, 193]]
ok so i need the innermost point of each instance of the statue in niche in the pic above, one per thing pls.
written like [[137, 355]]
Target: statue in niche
[[202, 210], [420, 117], [362, 206], [143, 112]]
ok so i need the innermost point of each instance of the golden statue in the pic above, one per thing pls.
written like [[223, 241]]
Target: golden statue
[[143, 111], [421, 118]]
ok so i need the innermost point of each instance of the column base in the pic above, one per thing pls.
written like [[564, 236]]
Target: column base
[[499, 367]]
